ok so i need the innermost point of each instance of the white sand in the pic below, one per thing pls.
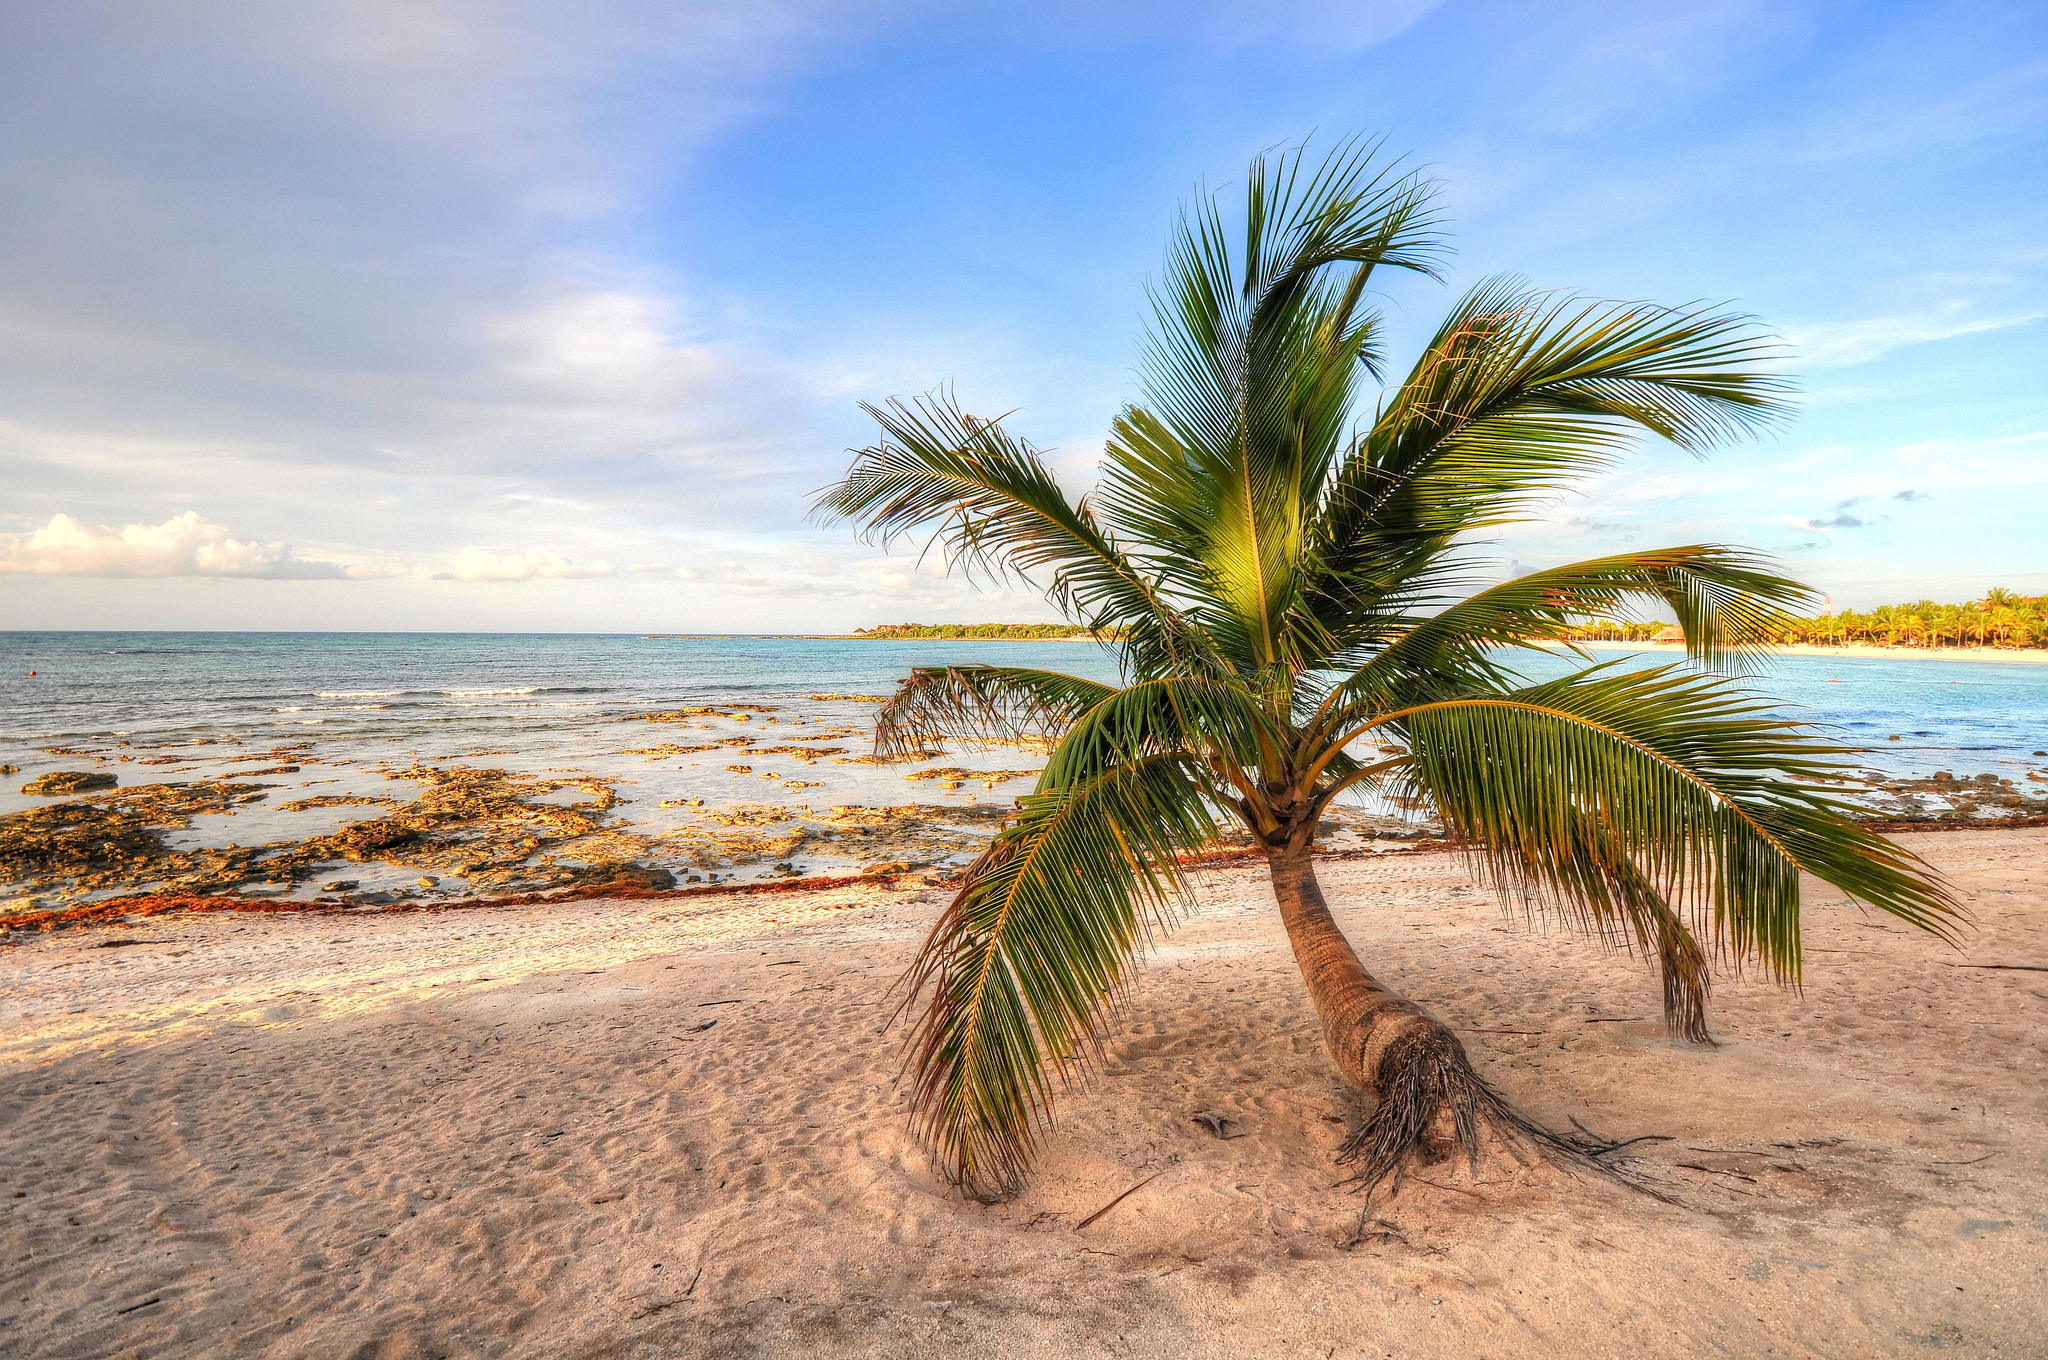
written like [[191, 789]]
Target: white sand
[[496, 1133]]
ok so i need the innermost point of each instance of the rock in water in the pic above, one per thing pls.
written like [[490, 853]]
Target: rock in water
[[57, 783]]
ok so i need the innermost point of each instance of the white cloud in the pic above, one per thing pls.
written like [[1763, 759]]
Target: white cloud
[[1845, 343], [184, 545], [1975, 452], [482, 564], [378, 245]]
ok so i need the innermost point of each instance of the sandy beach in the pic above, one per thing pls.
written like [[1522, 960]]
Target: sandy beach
[[669, 1128]]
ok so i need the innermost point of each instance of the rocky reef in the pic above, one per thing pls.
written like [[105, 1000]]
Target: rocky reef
[[59, 783], [1946, 798], [448, 828], [466, 830]]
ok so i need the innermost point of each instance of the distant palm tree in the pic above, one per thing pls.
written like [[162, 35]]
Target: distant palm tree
[[1291, 594]]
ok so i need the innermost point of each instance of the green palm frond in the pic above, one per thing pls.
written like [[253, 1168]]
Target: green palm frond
[[1719, 804], [1021, 968], [1607, 895], [1726, 601], [1221, 719], [1251, 376], [987, 704], [1220, 311], [991, 504], [1517, 394]]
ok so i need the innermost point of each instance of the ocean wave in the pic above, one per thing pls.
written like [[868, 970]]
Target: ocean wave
[[486, 693], [482, 703], [357, 693]]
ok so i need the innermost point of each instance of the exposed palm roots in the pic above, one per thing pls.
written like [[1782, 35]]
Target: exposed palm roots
[[1432, 1105]]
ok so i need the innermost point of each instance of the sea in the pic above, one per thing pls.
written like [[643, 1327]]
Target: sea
[[350, 707]]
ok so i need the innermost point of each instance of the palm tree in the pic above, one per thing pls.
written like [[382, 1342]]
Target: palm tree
[[1286, 570]]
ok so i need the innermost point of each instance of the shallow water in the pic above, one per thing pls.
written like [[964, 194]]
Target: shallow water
[[524, 702], [1909, 717], [351, 710], [550, 701]]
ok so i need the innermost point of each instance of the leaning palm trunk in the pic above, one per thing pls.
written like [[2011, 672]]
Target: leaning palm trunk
[[1274, 556], [1426, 1096]]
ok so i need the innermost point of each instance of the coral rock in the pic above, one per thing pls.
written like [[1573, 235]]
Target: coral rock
[[59, 782]]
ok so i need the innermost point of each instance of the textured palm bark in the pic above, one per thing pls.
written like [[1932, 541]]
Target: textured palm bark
[[1361, 1017], [1429, 1101]]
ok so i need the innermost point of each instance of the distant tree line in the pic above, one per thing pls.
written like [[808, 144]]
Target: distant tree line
[[2000, 619], [1608, 630], [1009, 631]]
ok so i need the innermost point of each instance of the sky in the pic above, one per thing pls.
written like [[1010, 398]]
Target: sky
[[534, 316]]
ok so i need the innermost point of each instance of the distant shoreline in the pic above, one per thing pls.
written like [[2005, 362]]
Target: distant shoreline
[[2028, 656], [855, 637], [2019, 656]]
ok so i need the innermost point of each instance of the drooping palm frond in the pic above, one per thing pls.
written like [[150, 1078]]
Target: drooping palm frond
[[981, 704], [1612, 899], [1726, 602], [1020, 969], [1720, 805]]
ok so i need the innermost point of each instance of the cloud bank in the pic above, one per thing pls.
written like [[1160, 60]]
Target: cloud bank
[[184, 545], [389, 277], [535, 564]]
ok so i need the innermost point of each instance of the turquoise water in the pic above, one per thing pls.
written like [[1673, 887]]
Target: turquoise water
[[353, 701], [1911, 717], [349, 708]]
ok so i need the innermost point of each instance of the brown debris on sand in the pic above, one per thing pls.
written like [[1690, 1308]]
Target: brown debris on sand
[[670, 748]]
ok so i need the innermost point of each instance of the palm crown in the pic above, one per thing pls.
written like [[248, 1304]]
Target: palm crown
[[1285, 575]]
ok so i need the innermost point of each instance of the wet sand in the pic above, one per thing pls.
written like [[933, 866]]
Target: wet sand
[[510, 1132]]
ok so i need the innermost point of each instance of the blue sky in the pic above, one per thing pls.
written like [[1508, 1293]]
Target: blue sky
[[547, 316]]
